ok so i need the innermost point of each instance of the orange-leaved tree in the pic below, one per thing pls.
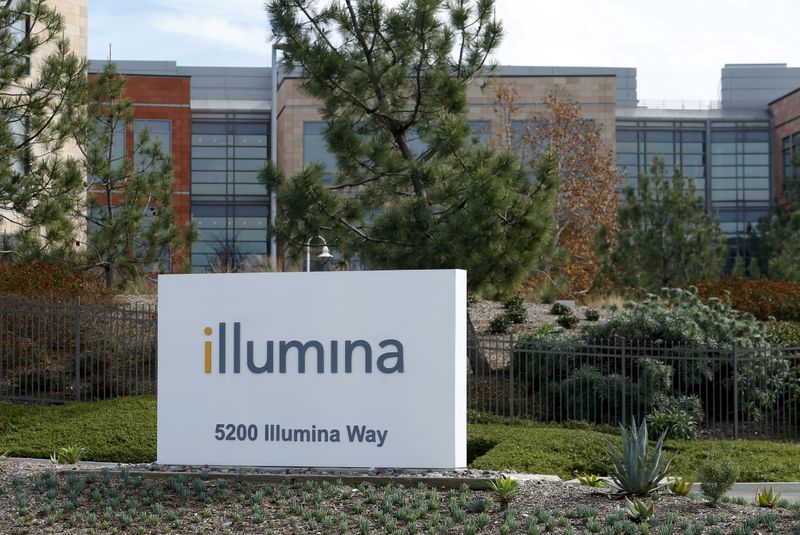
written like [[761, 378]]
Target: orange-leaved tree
[[588, 181]]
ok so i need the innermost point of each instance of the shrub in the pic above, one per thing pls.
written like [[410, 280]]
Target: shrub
[[718, 475], [785, 333], [674, 423], [500, 324], [760, 297], [592, 314], [515, 309], [51, 282], [568, 321], [678, 322], [560, 309], [679, 318]]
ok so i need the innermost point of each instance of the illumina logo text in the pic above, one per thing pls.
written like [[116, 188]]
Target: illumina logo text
[[356, 354]]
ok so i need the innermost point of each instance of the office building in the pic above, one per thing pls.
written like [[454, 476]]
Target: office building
[[219, 126]]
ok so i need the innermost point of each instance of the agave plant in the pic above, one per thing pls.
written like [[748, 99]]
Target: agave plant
[[680, 486], [767, 497], [635, 471], [591, 480], [639, 510]]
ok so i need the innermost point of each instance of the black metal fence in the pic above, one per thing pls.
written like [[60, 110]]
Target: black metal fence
[[72, 351], [729, 392]]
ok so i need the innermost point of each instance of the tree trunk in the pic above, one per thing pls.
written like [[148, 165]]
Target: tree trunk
[[477, 361], [109, 277]]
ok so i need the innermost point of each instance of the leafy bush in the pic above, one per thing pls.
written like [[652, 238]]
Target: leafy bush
[[718, 475], [760, 297], [592, 314], [500, 324], [51, 282], [674, 423], [560, 309], [785, 333], [680, 318], [515, 309], [679, 321], [568, 321], [634, 470]]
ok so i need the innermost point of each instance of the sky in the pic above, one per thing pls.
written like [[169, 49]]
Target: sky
[[678, 47]]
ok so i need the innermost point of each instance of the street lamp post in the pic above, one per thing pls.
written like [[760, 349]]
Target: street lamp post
[[325, 254]]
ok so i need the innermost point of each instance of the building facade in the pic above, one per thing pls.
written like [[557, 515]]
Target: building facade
[[786, 144], [733, 148]]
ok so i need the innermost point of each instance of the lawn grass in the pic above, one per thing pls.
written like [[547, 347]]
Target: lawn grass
[[124, 430]]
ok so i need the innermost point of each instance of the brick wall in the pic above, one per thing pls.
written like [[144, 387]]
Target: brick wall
[[786, 118], [167, 98]]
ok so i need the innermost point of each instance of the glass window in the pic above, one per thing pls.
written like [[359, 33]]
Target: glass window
[[160, 133], [482, 130], [659, 136], [228, 232], [315, 149]]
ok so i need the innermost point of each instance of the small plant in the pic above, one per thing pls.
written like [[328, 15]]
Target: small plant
[[515, 309], [68, 455], [680, 486], [504, 489], [592, 314], [766, 497], [500, 324], [477, 506], [560, 309], [718, 476], [635, 471], [568, 321], [638, 510], [591, 480]]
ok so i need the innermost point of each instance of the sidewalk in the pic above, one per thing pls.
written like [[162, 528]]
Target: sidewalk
[[791, 490]]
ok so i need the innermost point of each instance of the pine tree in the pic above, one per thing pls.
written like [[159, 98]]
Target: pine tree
[[41, 88], [665, 238], [775, 244], [412, 190], [131, 227]]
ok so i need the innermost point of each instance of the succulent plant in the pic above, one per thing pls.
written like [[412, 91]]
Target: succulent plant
[[504, 489], [591, 480], [638, 510], [766, 497], [635, 471], [680, 486]]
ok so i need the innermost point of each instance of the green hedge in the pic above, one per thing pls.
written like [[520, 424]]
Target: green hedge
[[120, 430]]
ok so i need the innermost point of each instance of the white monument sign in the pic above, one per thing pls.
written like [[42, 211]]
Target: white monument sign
[[336, 369]]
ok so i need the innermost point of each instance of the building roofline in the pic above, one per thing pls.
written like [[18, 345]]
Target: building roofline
[[793, 91]]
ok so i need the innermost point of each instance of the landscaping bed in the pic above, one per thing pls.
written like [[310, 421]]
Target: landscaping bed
[[123, 430], [36, 499]]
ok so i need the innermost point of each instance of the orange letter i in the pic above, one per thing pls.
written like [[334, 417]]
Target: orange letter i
[[208, 332]]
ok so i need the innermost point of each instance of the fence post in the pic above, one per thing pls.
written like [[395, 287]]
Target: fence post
[[624, 387], [77, 384], [511, 378], [735, 393]]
